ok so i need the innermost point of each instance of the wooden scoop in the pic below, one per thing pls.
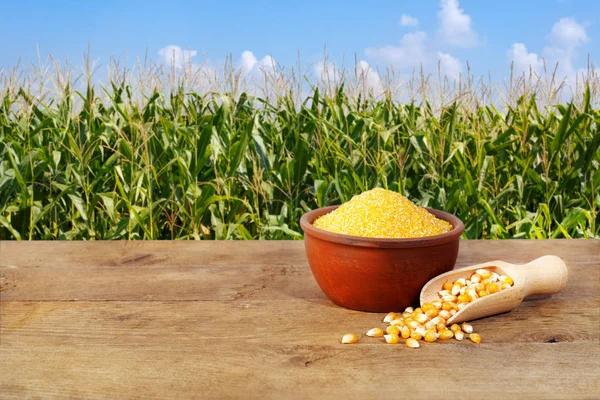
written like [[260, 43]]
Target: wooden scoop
[[544, 275]]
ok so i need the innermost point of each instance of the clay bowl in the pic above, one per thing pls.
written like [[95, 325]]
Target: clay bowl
[[378, 275]]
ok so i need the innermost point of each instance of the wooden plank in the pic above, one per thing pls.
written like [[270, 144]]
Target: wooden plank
[[522, 251], [232, 282], [151, 253], [267, 253], [266, 330], [232, 271], [255, 371], [157, 282], [291, 322], [285, 349]]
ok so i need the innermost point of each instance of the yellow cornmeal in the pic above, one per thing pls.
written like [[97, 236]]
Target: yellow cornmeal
[[381, 213]]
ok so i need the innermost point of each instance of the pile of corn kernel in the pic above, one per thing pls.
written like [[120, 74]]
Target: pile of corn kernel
[[463, 291], [381, 213], [428, 322]]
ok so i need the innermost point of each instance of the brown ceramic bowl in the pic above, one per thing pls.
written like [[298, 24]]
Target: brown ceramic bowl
[[378, 275]]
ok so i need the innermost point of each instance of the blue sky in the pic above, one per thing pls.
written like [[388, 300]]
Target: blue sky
[[489, 34]]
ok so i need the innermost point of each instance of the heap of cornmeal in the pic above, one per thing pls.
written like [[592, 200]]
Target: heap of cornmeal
[[381, 213]]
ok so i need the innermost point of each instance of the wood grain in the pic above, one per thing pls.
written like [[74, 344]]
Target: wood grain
[[200, 323], [282, 371], [230, 271], [235, 319]]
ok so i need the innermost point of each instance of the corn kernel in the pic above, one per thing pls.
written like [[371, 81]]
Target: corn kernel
[[463, 298], [505, 286], [483, 293], [429, 325], [409, 309], [416, 335], [418, 310], [406, 314], [440, 327], [506, 279], [479, 287], [432, 313], [446, 334], [445, 293], [349, 338], [414, 325], [375, 332], [392, 330], [452, 312], [484, 273], [459, 335], [493, 288], [461, 281], [456, 289], [467, 328], [390, 317], [392, 338], [472, 295], [421, 331], [408, 321], [438, 319], [430, 336], [445, 314], [447, 306], [399, 321], [447, 286], [437, 304], [476, 278], [426, 306], [422, 318], [405, 332], [475, 338], [460, 306], [449, 298], [455, 328], [412, 343]]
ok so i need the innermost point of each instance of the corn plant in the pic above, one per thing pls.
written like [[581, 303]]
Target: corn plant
[[119, 161]]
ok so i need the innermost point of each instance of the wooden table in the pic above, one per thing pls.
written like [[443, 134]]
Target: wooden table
[[247, 320]]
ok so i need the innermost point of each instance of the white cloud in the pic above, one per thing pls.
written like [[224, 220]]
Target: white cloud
[[567, 34], [175, 56], [369, 77], [407, 20], [417, 49], [523, 61], [455, 26], [249, 63], [565, 37], [561, 59], [268, 62], [411, 52], [449, 66]]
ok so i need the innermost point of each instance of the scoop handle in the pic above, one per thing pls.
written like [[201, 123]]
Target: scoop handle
[[545, 275]]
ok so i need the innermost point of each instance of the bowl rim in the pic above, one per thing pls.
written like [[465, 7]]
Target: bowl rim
[[306, 223]]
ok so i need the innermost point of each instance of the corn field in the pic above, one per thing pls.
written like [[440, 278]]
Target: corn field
[[151, 155]]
